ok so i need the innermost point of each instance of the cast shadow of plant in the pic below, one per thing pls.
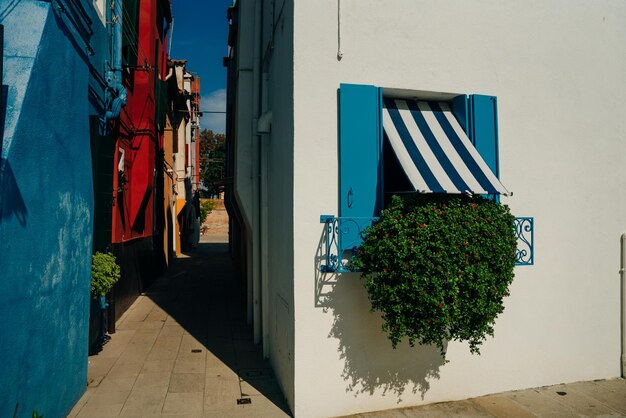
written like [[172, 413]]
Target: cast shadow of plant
[[371, 364]]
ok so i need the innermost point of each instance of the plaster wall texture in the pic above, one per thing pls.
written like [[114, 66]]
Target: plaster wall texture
[[558, 69], [263, 185], [169, 201], [243, 112], [100, 40], [46, 212], [179, 161], [277, 198]]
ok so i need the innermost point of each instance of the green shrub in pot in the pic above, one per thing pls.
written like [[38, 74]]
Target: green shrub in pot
[[104, 274]]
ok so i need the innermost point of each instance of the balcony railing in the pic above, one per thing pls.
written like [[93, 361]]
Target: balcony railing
[[343, 235]]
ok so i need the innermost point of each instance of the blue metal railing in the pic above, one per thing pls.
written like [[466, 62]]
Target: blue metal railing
[[340, 241], [524, 232], [342, 236]]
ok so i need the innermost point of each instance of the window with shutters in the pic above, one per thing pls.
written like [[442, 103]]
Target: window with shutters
[[130, 40], [390, 145], [397, 141]]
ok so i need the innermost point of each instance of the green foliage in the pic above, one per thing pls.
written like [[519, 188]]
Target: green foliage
[[36, 415], [212, 161], [438, 267], [206, 207], [104, 273]]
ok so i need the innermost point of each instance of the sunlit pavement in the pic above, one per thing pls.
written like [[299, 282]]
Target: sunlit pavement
[[602, 398], [184, 349]]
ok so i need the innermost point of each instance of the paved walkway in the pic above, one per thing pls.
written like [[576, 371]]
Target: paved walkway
[[184, 349], [602, 398]]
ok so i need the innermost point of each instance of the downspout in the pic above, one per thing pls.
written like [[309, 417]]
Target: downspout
[[256, 138], [116, 93], [622, 273]]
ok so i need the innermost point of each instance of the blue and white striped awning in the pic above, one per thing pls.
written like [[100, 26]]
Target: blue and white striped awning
[[434, 151]]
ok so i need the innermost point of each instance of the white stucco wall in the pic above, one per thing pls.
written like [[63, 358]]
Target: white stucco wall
[[558, 69], [263, 176], [279, 145]]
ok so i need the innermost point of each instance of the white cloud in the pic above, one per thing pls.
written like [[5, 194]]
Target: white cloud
[[214, 101]]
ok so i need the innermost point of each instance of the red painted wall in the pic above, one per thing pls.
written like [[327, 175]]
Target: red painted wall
[[133, 215]]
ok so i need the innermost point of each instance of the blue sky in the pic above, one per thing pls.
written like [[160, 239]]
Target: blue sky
[[200, 36]]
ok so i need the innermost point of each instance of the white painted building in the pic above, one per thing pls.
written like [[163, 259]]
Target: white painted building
[[558, 70]]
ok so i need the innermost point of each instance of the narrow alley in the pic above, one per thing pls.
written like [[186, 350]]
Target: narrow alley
[[184, 348], [312, 209]]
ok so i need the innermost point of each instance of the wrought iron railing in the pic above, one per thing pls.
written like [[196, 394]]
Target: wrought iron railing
[[343, 235], [524, 232]]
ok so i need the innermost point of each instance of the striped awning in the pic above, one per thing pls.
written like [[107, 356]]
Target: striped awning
[[434, 151]]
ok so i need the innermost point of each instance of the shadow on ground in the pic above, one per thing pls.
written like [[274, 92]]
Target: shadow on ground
[[202, 294]]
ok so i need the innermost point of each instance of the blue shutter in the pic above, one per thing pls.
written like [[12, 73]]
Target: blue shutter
[[460, 109], [484, 128], [360, 145]]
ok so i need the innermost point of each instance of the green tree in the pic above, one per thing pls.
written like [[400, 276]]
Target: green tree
[[212, 161]]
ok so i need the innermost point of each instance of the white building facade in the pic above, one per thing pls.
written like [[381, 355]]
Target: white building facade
[[558, 70]]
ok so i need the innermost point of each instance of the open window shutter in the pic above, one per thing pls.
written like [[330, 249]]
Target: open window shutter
[[460, 110], [360, 145], [484, 128], [130, 32]]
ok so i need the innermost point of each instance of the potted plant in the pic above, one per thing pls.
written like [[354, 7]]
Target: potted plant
[[105, 272]]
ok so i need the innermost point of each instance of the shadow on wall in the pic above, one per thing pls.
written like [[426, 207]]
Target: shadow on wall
[[6, 11], [11, 202], [371, 364]]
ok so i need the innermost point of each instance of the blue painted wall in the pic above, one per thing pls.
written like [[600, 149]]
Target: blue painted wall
[[46, 212]]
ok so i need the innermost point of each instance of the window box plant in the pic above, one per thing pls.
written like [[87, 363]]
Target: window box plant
[[438, 267]]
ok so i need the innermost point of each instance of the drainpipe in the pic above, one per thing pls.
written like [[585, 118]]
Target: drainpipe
[[116, 93], [256, 138], [622, 273]]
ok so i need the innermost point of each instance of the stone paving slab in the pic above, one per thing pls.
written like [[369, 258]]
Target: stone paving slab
[[182, 350], [602, 398]]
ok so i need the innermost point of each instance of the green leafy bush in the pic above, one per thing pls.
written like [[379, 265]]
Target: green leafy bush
[[104, 273], [206, 207], [438, 266]]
